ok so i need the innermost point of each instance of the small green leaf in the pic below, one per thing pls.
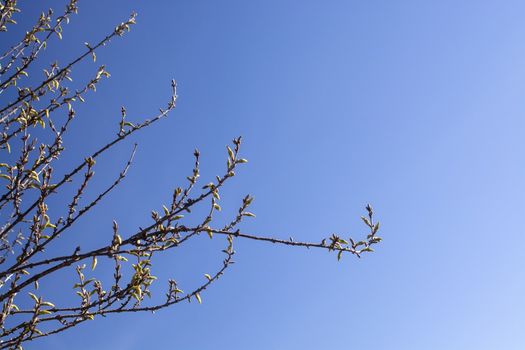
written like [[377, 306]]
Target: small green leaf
[[49, 224], [230, 152], [34, 297], [366, 221]]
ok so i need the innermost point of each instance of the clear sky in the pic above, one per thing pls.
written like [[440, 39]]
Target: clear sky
[[414, 106]]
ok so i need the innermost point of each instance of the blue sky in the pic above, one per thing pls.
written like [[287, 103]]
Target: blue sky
[[414, 106]]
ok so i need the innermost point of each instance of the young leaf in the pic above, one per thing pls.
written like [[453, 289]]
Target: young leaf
[[230, 152], [34, 297]]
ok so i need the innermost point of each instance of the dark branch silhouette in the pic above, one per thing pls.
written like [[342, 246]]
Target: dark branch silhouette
[[28, 182]]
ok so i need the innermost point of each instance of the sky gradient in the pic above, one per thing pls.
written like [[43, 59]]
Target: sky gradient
[[413, 106]]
